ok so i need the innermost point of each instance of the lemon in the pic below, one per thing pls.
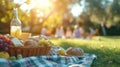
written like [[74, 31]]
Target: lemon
[[61, 52], [4, 55]]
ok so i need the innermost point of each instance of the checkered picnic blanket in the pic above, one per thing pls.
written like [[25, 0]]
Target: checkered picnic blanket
[[50, 61]]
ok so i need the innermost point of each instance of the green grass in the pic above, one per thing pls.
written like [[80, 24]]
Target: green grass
[[106, 48]]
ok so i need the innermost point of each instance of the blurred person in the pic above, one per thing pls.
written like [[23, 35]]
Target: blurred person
[[76, 32], [81, 32], [44, 31], [68, 33], [59, 32], [91, 30]]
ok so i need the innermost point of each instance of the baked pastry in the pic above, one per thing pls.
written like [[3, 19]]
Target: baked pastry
[[30, 43], [72, 51], [34, 39]]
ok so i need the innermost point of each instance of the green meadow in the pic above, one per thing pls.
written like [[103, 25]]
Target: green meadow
[[106, 48]]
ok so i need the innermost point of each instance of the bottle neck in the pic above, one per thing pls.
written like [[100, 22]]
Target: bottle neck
[[15, 13]]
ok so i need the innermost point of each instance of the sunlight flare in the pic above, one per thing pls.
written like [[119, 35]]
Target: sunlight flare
[[41, 3]]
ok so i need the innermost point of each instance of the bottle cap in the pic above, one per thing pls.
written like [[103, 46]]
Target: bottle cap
[[15, 10]]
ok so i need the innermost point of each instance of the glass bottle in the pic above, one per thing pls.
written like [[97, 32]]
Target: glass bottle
[[15, 25]]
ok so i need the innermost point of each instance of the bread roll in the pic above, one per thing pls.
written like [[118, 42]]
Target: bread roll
[[75, 51], [30, 43]]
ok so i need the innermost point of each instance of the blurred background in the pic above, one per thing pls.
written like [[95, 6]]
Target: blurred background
[[103, 15]]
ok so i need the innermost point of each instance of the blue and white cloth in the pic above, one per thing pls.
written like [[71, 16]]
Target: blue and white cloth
[[50, 61]]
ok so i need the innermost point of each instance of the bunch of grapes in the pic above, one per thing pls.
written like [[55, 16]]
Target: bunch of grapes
[[5, 42]]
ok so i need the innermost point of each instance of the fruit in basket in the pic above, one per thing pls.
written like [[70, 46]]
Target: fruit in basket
[[5, 42], [19, 56], [4, 55], [43, 42], [30, 43], [12, 58]]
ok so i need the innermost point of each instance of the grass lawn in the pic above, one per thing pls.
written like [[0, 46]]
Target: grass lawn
[[106, 48]]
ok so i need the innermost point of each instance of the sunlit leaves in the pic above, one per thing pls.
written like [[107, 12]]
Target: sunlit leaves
[[53, 20], [115, 7]]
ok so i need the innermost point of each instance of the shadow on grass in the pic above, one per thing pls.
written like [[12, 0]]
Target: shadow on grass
[[112, 37]]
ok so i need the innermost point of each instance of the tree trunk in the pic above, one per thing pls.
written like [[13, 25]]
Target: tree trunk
[[103, 29]]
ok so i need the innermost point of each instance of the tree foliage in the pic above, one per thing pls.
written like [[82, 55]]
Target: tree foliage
[[95, 11], [103, 11]]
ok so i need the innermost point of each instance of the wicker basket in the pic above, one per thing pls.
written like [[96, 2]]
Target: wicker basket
[[28, 51]]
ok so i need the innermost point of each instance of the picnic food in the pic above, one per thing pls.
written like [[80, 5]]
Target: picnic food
[[16, 42], [4, 55], [12, 58], [25, 36], [30, 43], [43, 42], [19, 56], [5, 42], [74, 51], [33, 46], [35, 38], [61, 52]]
